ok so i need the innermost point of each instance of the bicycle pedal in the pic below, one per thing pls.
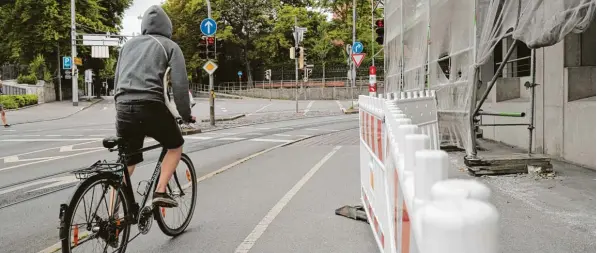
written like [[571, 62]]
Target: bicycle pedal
[[142, 190]]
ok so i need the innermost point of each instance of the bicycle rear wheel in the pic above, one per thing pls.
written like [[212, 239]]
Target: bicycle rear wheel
[[95, 217], [183, 188]]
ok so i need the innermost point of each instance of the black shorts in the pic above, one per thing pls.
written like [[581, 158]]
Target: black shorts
[[136, 120]]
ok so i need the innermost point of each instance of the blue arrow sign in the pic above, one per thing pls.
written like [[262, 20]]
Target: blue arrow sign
[[209, 27], [357, 47], [67, 62], [240, 73]]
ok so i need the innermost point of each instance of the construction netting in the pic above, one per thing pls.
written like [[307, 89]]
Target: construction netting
[[457, 36]]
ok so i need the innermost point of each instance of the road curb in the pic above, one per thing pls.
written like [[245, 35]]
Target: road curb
[[351, 111], [17, 109], [191, 131], [62, 117], [226, 119]]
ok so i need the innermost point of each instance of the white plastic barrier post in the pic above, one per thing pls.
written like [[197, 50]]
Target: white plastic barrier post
[[462, 225], [411, 206]]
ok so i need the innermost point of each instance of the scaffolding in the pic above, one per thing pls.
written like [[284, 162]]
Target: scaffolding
[[440, 45]]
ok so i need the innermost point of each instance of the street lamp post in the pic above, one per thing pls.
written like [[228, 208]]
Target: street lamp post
[[73, 35]]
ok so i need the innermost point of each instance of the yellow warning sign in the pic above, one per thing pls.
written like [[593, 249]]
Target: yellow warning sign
[[78, 61], [210, 67]]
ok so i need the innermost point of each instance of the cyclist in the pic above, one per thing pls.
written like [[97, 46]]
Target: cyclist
[[2, 113], [140, 107]]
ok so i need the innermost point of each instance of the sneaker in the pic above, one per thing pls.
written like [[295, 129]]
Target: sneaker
[[6, 125], [162, 199]]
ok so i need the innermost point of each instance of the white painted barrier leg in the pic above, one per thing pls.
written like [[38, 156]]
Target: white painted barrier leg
[[459, 226]]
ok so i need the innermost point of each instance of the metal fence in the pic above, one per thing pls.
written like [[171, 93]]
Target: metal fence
[[12, 71]]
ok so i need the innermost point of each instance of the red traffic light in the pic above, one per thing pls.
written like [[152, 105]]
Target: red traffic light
[[211, 40], [379, 23]]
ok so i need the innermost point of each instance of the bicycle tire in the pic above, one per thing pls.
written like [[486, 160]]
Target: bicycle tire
[[102, 178], [156, 211]]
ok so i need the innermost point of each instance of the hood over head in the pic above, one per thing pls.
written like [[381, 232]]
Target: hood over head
[[156, 21]]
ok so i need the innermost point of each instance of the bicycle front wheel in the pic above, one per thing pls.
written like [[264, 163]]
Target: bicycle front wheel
[[183, 188]]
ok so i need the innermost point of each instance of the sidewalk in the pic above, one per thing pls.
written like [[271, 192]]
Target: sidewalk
[[47, 111], [549, 214]]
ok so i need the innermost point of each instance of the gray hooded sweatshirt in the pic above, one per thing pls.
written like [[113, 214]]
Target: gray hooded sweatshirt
[[142, 64]]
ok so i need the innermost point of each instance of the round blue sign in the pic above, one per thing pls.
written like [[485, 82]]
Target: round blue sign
[[357, 47], [240, 73], [209, 27]]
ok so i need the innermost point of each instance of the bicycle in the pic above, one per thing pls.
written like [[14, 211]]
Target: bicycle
[[120, 219]]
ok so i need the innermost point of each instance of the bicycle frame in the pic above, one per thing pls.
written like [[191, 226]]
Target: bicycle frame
[[127, 178]]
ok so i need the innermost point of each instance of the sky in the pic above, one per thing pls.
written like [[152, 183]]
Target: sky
[[131, 24]]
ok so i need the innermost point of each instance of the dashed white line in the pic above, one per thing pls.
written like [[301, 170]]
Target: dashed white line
[[250, 240], [263, 128], [308, 107], [260, 109], [282, 135], [340, 105], [285, 128]]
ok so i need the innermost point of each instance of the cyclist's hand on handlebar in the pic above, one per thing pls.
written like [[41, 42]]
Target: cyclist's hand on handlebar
[[192, 119]]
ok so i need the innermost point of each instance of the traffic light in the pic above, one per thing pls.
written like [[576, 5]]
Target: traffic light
[[211, 47], [268, 74], [203, 47], [379, 30]]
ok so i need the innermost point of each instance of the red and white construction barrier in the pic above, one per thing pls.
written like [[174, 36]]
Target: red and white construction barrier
[[410, 203]]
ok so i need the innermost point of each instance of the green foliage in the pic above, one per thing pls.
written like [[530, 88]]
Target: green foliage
[[109, 68], [17, 101], [42, 27], [27, 79]]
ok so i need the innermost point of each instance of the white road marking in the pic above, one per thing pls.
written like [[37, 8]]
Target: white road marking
[[312, 129], [223, 109], [33, 183], [198, 137], [41, 140], [260, 109], [340, 105], [11, 130], [283, 135], [75, 135], [47, 160], [270, 140], [46, 149], [53, 135], [69, 148], [308, 107], [263, 128], [285, 128], [231, 138], [254, 134], [62, 181], [97, 135], [31, 135], [250, 240], [16, 159]]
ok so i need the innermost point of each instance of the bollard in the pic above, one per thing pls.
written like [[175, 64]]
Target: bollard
[[463, 226], [460, 189], [431, 167], [402, 95]]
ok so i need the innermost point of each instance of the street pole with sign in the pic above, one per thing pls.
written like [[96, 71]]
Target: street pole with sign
[[296, 43], [208, 28]]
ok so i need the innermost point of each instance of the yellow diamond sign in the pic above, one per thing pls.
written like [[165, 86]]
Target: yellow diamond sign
[[210, 67]]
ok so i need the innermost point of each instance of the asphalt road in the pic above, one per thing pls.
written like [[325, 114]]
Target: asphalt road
[[279, 201], [36, 158]]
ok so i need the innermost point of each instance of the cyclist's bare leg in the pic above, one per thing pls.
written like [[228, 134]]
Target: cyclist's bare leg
[[3, 114], [169, 165]]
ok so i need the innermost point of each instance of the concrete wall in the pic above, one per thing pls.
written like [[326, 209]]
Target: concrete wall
[[564, 122], [327, 93], [45, 91]]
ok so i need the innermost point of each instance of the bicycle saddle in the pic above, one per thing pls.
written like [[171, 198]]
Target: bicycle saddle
[[112, 142]]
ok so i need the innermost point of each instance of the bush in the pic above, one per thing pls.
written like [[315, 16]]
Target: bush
[[18, 101], [28, 79]]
